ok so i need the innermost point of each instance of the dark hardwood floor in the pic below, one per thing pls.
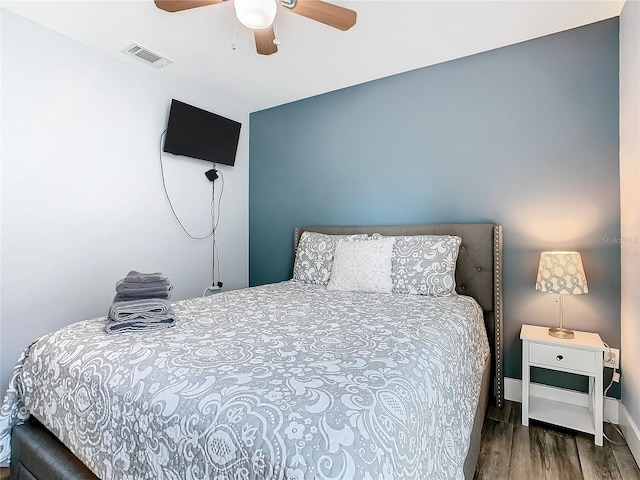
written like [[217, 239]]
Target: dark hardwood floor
[[543, 452]]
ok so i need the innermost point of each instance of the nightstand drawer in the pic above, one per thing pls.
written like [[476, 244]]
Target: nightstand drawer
[[563, 358]]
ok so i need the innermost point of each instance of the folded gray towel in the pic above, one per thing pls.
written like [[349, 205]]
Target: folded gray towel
[[136, 277], [143, 289], [141, 303], [126, 296], [148, 308], [135, 325]]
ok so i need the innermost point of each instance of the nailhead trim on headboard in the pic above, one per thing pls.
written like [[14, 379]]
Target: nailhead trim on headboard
[[497, 271]]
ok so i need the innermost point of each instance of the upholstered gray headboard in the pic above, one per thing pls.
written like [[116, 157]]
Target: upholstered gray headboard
[[478, 274]]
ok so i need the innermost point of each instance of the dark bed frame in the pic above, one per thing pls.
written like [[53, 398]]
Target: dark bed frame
[[38, 455]]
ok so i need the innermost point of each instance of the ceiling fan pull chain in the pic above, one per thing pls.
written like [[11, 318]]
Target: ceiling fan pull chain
[[276, 40], [234, 45]]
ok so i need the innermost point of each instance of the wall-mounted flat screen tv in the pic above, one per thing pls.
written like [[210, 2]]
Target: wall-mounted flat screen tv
[[196, 133]]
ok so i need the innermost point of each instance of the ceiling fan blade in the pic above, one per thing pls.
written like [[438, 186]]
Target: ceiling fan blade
[[179, 5], [327, 13], [264, 41]]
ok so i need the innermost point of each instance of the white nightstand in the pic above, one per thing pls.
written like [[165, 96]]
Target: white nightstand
[[582, 355]]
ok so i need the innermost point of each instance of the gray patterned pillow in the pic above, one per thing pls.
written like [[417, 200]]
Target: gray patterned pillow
[[424, 264], [314, 256]]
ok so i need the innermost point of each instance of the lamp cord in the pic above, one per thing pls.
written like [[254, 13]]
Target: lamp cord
[[615, 427]]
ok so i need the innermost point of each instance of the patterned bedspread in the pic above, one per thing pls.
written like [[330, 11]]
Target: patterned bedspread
[[283, 381]]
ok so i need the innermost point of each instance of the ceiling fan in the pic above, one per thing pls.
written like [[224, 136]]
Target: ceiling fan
[[259, 15]]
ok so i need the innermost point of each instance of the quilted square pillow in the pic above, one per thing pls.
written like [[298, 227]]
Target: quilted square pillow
[[424, 264], [314, 256], [363, 266]]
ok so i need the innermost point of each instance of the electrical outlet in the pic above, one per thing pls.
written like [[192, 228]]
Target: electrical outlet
[[612, 358], [212, 289]]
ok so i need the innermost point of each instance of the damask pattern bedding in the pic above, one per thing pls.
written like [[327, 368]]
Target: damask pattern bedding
[[283, 381]]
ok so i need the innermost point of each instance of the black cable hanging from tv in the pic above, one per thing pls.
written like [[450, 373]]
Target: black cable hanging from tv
[[166, 193], [212, 175]]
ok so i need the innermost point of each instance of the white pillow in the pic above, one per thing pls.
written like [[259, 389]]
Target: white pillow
[[362, 266]]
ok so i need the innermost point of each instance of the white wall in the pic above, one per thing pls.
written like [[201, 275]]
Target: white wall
[[82, 198], [630, 214]]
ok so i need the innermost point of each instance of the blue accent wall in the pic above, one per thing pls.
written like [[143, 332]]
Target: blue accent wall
[[525, 136]]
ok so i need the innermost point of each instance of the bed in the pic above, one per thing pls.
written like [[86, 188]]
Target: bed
[[289, 381]]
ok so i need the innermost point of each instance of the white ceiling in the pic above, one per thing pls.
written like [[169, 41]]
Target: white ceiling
[[390, 36]]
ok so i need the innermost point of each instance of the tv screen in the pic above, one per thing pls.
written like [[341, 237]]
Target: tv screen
[[196, 133]]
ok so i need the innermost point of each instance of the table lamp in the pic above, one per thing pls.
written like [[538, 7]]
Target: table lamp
[[561, 273]]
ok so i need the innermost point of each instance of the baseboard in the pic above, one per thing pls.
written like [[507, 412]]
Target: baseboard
[[631, 432], [513, 392]]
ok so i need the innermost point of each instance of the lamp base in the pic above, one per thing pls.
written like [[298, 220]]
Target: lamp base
[[561, 333]]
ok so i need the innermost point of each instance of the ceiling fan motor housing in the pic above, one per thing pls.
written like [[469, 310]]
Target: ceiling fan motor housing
[[256, 14]]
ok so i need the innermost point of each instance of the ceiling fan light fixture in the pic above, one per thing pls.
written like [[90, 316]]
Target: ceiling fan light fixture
[[256, 14]]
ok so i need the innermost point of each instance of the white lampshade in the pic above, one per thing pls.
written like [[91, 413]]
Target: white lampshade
[[256, 14], [561, 273]]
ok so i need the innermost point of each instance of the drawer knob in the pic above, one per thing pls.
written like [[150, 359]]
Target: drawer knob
[[559, 357]]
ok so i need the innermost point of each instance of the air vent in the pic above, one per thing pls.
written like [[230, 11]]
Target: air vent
[[147, 55]]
